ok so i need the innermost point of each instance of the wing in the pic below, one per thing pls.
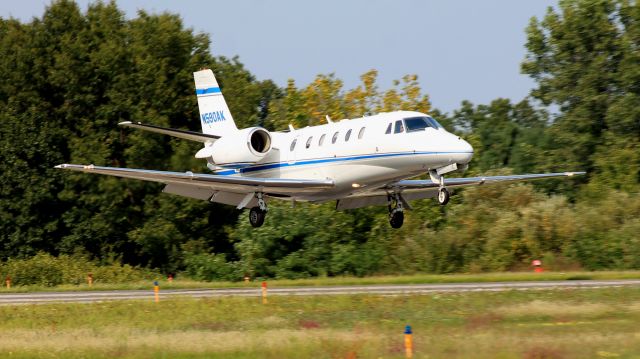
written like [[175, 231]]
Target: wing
[[419, 189], [224, 189], [187, 135]]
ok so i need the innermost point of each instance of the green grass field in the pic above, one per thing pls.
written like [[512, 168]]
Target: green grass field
[[181, 283], [578, 323]]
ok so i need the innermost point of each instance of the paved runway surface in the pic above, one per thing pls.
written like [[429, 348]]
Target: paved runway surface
[[99, 296]]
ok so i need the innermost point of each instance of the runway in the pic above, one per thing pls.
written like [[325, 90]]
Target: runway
[[102, 296]]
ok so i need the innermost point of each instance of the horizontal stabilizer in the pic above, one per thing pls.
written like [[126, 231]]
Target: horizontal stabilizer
[[184, 134]]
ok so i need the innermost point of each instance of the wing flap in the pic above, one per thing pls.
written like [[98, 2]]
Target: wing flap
[[184, 134], [196, 192], [215, 182]]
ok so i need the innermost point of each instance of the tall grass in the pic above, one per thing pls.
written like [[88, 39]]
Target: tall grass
[[588, 323]]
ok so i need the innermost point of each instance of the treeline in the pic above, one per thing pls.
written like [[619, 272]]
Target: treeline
[[69, 78]]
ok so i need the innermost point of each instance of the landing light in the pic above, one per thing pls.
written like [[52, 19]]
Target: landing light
[[355, 185]]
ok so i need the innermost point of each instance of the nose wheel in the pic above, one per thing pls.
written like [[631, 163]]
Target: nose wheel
[[443, 193], [443, 196]]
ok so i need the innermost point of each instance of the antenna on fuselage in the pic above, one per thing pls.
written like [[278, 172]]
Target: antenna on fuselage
[[291, 128], [328, 119]]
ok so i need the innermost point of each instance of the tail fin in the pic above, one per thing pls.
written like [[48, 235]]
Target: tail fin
[[215, 116]]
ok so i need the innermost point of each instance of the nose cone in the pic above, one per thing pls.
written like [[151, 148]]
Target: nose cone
[[466, 151]]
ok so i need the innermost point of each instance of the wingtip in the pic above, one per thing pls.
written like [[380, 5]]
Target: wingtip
[[124, 123], [61, 166]]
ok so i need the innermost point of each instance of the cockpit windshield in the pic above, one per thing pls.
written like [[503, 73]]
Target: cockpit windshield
[[420, 123], [435, 123]]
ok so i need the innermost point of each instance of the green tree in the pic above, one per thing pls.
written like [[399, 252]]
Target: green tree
[[584, 59], [68, 79]]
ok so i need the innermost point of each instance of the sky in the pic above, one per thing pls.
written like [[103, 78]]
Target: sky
[[460, 49]]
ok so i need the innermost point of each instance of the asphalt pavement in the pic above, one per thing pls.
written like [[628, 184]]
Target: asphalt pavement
[[111, 295]]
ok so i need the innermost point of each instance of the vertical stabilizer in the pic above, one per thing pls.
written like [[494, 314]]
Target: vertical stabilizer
[[215, 116]]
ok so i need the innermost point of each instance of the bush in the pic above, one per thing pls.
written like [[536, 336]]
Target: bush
[[46, 270], [211, 267]]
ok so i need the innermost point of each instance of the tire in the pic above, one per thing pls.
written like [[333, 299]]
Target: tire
[[396, 219], [256, 217], [443, 196]]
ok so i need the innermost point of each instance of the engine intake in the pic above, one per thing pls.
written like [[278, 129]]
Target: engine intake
[[260, 141], [246, 146]]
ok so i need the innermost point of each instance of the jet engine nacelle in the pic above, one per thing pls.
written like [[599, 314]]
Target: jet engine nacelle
[[249, 145]]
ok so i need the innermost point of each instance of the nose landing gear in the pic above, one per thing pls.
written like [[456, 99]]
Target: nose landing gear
[[443, 196], [443, 193]]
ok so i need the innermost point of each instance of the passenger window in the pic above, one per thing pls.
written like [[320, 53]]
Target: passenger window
[[293, 145], [346, 137], [321, 139], [309, 142], [399, 127], [361, 133], [388, 129], [335, 137]]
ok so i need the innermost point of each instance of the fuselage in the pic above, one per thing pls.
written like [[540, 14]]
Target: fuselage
[[360, 154]]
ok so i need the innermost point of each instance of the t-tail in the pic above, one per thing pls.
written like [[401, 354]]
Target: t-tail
[[215, 116]]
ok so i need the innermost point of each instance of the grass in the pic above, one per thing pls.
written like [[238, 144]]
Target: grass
[[330, 281], [575, 323]]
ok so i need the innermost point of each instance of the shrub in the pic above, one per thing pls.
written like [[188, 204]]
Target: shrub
[[211, 267], [46, 270]]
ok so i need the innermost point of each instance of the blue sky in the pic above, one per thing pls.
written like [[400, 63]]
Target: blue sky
[[460, 49]]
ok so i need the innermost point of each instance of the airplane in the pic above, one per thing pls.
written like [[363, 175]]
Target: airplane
[[356, 162]]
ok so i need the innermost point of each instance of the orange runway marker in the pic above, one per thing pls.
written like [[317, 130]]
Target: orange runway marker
[[408, 342], [156, 291]]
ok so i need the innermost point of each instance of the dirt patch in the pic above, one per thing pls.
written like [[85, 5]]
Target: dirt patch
[[476, 322], [308, 324], [543, 353]]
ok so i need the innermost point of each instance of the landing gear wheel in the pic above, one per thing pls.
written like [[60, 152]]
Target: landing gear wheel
[[443, 196], [256, 216], [396, 219]]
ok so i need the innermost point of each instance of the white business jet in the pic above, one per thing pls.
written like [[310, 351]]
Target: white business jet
[[356, 162]]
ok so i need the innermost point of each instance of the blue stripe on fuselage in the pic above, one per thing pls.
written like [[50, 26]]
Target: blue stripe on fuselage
[[268, 166]]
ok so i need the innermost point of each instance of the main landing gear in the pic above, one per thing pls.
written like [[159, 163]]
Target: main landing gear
[[257, 214], [396, 203], [396, 210]]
